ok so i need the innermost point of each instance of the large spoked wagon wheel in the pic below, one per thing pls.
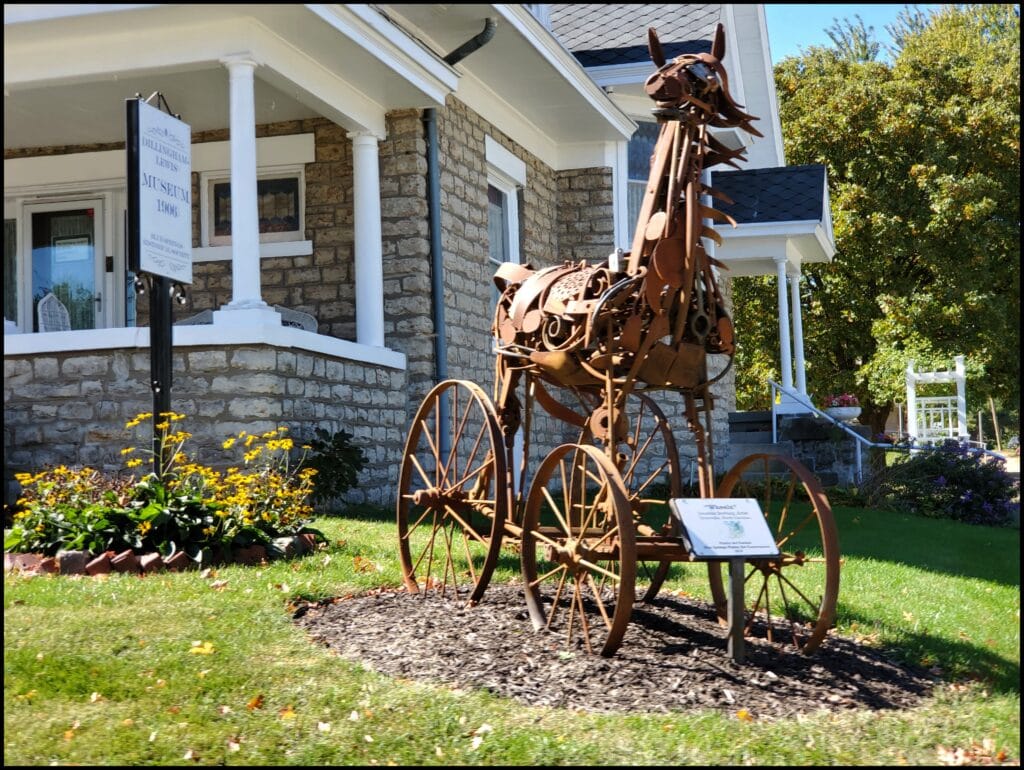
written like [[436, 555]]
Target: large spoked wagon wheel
[[453, 493], [790, 599], [648, 461], [579, 549]]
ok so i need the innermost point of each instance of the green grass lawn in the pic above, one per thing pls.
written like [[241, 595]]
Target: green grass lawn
[[208, 669]]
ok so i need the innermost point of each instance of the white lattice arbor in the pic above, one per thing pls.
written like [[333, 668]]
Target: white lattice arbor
[[931, 418]]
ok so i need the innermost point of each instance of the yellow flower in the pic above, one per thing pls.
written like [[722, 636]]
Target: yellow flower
[[133, 463], [144, 527], [127, 450], [228, 443]]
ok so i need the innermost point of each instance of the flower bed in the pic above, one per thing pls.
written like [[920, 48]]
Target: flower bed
[[184, 512]]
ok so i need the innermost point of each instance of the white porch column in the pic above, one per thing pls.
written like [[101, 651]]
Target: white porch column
[[245, 229], [798, 331], [369, 268], [785, 353], [960, 375], [911, 400]]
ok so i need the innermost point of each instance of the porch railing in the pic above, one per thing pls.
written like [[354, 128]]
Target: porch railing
[[859, 442]]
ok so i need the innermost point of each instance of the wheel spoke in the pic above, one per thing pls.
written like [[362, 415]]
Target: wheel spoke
[[802, 524]]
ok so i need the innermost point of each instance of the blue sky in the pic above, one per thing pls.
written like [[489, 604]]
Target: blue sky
[[792, 27]]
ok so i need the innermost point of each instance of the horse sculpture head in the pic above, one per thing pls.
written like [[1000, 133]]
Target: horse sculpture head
[[695, 80]]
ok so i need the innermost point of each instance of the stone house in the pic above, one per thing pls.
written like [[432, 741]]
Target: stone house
[[357, 172]]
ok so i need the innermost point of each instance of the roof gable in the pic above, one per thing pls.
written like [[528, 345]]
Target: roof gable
[[601, 34], [786, 194]]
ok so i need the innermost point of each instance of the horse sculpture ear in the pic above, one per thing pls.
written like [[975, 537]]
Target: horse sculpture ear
[[654, 46], [718, 47]]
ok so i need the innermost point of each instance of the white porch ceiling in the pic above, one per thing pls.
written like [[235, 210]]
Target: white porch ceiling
[[350, 63]]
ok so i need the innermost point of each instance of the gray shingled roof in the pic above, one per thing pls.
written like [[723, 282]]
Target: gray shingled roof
[[617, 34], [784, 194]]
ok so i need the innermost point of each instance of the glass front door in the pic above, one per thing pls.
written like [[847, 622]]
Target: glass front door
[[67, 260]]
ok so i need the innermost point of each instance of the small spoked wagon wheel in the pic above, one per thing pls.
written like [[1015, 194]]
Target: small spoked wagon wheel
[[579, 549], [453, 493], [790, 600]]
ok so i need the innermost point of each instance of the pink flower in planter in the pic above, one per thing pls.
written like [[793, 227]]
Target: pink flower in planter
[[844, 399]]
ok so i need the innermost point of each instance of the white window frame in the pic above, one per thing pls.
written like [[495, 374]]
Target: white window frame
[[507, 173], [207, 180]]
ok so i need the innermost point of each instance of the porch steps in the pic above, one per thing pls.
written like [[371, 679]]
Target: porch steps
[[751, 433]]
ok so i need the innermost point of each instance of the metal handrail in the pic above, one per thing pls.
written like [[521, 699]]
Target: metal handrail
[[859, 440]]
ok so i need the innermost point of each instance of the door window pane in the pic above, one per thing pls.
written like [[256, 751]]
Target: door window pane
[[64, 263], [10, 270]]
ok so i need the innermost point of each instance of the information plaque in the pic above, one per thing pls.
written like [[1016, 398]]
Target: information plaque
[[724, 528]]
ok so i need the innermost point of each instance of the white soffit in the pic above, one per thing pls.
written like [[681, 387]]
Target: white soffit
[[751, 249], [66, 77]]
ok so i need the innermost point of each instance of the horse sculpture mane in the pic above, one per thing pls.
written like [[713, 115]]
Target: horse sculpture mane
[[648, 323]]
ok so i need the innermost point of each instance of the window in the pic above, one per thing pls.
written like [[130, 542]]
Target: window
[[640, 149], [505, 175], [279, 200], [10, 270]]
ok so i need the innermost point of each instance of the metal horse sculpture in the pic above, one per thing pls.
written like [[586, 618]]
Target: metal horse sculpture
[[604, 330], [591, 533]]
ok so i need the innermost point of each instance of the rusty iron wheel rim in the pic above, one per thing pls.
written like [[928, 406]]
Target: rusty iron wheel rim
[[584, 588], [452, 505], [790, 600]]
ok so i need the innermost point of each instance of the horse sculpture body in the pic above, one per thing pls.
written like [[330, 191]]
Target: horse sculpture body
[[605, 329]]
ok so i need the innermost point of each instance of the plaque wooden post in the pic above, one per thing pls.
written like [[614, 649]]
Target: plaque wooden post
[[735, 644]]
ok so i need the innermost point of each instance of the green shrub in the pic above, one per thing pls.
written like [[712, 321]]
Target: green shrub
[[179, 506], [337, 464], [949, 482]]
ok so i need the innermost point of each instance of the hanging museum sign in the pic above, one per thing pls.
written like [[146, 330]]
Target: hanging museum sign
[[160, 193]]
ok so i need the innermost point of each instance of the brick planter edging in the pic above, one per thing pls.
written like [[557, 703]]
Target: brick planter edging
[[87, 563]]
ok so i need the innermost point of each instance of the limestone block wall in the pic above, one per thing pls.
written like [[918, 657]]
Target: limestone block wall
[[71, 408]]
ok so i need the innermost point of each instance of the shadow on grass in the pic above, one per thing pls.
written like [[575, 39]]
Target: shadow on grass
[[951, 660]]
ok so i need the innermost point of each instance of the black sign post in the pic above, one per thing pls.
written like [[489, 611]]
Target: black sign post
[[161, 189]]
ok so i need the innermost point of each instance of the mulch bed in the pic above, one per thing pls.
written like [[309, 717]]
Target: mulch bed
[[673, 658]]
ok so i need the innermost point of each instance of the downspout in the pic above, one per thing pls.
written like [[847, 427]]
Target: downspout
[[434, 219]]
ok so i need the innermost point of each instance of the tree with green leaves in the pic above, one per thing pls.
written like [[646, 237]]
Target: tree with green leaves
[[923, 159]]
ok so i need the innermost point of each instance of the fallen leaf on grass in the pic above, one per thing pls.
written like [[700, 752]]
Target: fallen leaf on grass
[[219, 585], [368, 738], [353, 717], [201, 648], [744, 716], [95, 697], [222, 710], [189, 754], [983, 753], [287, 713], [324, 727], [234, 744], [255, 703], [364, 565]]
